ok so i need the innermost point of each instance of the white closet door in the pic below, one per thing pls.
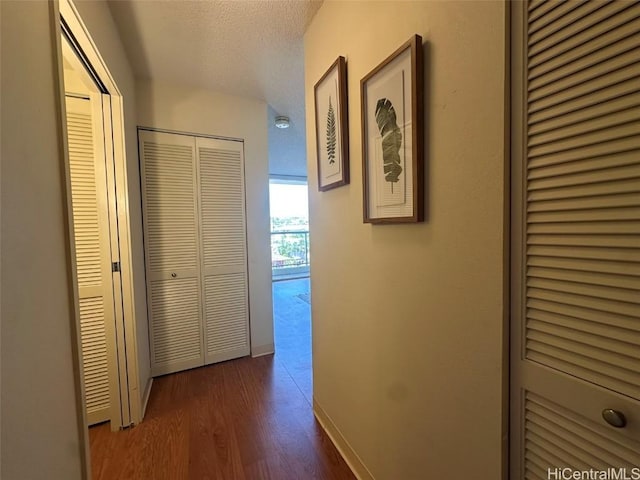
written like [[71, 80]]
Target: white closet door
[[93, 254], [576, 250], [224, 249], [171, 251]]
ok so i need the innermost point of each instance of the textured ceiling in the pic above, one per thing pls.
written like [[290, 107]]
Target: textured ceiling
[[251, 48]]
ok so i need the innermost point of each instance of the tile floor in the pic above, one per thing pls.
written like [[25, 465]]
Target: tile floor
[[292, 325]]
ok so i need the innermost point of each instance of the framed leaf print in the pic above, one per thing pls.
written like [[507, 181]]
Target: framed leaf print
[[332, 127], [393, 137]]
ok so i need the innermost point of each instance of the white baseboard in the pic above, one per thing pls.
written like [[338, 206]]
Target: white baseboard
[[348, 454], [147, 394], [260, 350]]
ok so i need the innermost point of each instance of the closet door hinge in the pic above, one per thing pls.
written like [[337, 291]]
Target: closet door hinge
[[115, 266]]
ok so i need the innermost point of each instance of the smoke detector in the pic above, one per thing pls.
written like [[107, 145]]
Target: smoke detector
[[282, 121]]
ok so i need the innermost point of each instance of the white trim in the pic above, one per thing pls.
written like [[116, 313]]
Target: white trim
[[147, 394], [349, 455], [262, 350], [190, 134], [70, 14], [126, 329]]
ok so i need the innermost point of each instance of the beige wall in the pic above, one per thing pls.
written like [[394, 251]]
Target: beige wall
[[101, 27], [39, 421], [204, 112], [408, 319]]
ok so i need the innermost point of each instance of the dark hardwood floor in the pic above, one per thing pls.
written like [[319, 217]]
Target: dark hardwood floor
[[242, 419]]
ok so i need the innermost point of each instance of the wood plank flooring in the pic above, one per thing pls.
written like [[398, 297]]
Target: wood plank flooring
[[240, 420]]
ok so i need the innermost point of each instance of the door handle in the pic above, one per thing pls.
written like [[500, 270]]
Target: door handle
[[614, 418]]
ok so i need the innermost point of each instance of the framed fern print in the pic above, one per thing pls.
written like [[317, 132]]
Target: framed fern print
[[332, 127], [393, 137]]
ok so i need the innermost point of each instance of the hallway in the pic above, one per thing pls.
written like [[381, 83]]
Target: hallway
[[248, 419]]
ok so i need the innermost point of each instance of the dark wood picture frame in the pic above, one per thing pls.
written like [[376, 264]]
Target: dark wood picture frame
[[386, 166], [332, 141]]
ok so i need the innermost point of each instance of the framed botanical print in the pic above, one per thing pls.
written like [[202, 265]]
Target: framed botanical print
[[393, 137], [332, 127]]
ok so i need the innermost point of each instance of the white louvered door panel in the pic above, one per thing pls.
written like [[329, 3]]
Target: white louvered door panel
[[224, 248], [171, 251], [93, 254], [558, 437], [576, 249]]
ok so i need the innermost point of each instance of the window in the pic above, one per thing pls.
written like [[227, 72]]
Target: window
[[289, 226]]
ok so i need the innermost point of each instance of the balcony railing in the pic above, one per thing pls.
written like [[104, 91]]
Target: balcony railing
[[289, 249]]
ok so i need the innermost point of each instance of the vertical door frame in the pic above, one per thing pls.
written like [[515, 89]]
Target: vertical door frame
[[516, 231], [507, 242], [119, 202], [72, 267]]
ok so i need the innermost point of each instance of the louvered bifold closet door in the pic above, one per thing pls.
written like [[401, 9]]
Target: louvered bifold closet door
[[580, 235], [93, 253], [224, 248], [168, 165]]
